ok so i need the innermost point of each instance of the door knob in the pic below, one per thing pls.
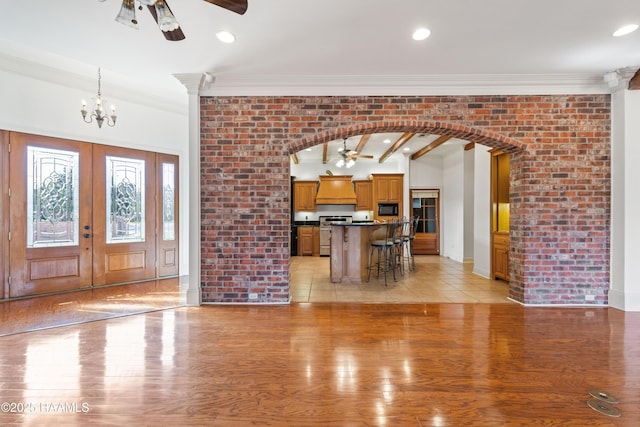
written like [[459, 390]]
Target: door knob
[[86, 235]]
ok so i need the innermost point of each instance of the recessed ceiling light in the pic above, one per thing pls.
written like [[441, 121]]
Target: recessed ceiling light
[[307, 149], [421, 34], [225, 37], [406, 149], [387, 141], [623, 31]]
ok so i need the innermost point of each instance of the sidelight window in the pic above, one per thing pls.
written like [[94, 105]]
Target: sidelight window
[[168, 201]]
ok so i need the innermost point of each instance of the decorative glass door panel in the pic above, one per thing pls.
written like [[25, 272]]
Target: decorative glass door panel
[[125, 194], [52, 197], [50, 215]]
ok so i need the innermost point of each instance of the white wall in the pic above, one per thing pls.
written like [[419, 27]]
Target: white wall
[[482, 211], [426, 172], [452, 199], [50, 106], [469, 213]]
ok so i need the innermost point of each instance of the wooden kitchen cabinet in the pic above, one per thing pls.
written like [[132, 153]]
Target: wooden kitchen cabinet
[[501, 256], [305, 241], [304, 196], [364, 195], [316, 241], [387, 188]]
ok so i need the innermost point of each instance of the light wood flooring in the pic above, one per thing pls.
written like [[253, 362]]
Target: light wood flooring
[[151, 361], [435, 279], [327, 364]]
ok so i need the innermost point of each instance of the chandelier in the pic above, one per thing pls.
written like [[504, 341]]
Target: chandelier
[[98, 111]]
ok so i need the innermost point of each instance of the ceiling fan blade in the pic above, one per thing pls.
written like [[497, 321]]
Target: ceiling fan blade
[[363, 156], [237, 6], [175, 35]]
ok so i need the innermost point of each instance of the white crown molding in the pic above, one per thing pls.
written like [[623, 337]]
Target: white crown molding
[[449, 84], [128, 92]]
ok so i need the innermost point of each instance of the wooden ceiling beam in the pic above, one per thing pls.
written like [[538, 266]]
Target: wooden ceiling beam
[[634, 83], [325, 149], [470, 146], [433, 145], [294, 157], [362, 143], [396, 145]]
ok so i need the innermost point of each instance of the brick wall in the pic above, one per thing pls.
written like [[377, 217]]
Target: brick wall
[[560, 182]]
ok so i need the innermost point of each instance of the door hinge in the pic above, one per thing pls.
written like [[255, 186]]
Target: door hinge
[[9, 280], [9, 191], [9, 236], [9, 147]]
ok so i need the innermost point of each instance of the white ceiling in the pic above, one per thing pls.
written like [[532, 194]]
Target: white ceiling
[[314, 44], [376, 147], [303, 40]]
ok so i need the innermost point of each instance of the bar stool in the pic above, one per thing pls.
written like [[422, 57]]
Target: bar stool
[[398, 250], [384, 249], [408, 239]]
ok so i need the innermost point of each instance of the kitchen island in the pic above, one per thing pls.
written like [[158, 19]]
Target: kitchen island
[[350, 250]]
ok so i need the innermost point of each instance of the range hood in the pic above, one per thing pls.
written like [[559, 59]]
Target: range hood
[[336, 190]]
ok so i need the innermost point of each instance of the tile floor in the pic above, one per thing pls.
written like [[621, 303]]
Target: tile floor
[[435, 279]]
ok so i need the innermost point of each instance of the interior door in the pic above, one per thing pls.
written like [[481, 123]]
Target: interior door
[[124, 215], [49, 215], [425, 205]]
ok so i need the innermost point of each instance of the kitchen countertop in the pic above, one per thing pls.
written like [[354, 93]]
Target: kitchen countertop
[[306, 223], [357, 223]]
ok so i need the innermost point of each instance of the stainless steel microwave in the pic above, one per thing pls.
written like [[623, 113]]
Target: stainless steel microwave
[[387, 209]]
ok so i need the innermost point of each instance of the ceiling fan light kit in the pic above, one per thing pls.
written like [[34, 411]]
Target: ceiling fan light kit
[[127, 14], [348, 157], [166, 20]]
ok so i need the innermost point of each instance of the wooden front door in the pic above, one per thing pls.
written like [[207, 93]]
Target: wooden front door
[[4, 215], [124, 215], [50, 221], [75, 215]]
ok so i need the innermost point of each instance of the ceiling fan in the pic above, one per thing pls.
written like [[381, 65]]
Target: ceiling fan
[[348, 157], [164, 17]]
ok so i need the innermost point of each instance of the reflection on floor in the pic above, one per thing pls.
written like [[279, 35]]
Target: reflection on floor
[[106, 302], [436, 279]]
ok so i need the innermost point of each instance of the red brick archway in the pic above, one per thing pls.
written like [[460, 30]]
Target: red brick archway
[[560, 189]]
